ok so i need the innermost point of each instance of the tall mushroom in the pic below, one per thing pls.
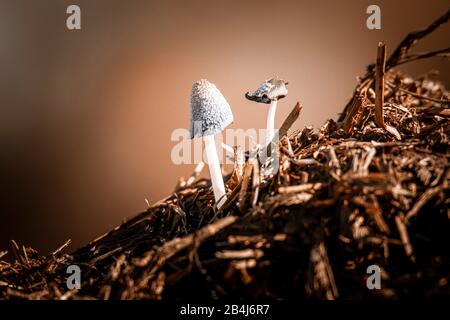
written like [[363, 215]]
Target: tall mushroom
[[210, 115], [270, 92]]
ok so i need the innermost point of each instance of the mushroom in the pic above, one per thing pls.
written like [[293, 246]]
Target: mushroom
[[210, 115], [270, 92]]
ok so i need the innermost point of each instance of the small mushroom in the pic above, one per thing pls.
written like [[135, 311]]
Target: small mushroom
[[270, 92], [210, 115]]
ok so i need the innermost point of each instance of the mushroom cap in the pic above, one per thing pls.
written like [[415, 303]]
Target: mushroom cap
[[271, 90], [210, 111]]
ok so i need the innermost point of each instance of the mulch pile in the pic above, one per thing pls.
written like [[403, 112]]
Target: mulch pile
[[355, 193]]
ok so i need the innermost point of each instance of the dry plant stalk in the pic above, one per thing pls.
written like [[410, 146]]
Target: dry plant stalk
[[358, 102], [379, 85], [320, 277]]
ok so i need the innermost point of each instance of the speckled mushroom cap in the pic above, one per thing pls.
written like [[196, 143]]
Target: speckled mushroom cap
[[210, 112], [271, 90]]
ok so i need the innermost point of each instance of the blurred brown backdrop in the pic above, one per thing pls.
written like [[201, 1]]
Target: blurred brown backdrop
[[86, 116]]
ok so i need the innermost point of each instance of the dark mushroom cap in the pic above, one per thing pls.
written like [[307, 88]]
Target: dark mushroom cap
[[210, 111], [271, 90]]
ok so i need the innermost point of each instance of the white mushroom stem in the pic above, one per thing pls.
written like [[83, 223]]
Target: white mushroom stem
[[270, 131], [214, 170]]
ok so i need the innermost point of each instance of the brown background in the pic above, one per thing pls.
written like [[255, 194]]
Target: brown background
[[86, 116]]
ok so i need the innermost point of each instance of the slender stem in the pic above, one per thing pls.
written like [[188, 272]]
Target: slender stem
[[270, 131], [214, 170], [379, 85]]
